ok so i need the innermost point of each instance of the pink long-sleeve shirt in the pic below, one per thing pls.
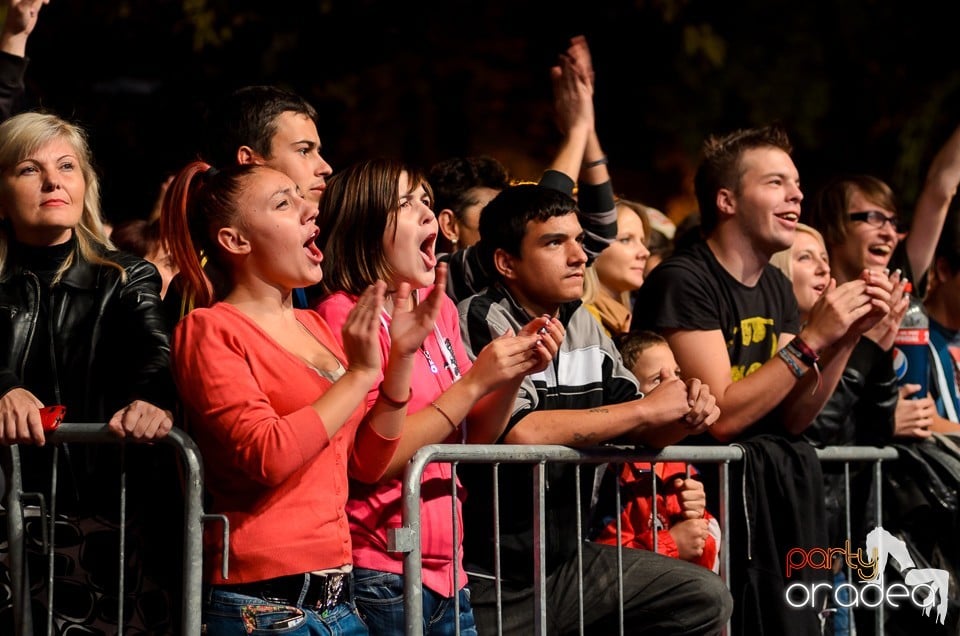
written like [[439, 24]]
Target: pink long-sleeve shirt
[[374, 508]]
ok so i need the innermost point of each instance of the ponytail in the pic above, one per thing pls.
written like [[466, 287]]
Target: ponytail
[[200, 201]]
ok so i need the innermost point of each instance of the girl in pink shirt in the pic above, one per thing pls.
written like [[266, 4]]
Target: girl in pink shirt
[[276, 401], [376, 222]]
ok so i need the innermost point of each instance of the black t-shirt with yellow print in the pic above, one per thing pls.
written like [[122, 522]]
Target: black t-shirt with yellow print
[[692, 291]]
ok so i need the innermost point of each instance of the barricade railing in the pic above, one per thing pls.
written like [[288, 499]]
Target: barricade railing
[[192, 466], [848, 454], [406, 539]]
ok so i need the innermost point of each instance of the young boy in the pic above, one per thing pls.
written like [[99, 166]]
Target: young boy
[[684, 529]]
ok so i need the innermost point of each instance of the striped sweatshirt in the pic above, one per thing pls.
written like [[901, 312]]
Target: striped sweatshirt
[[587, 372]]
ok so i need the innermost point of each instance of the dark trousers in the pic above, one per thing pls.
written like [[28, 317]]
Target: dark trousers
[[661, 595]]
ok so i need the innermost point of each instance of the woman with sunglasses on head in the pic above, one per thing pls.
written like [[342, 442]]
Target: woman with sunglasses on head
[[274, 401]]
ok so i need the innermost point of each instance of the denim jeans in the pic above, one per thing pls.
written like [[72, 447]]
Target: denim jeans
[[231, 614], [379, 598]]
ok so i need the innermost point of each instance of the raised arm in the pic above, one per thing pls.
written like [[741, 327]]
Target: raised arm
[[939, 189], [580, 155], [21, 19], [573, 109], [581, 158]]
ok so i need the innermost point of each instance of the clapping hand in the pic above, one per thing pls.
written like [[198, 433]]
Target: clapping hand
[[361, 330], [412, 324], [22, 16], [885, 331]]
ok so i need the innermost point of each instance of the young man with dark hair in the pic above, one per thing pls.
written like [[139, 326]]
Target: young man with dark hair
[[270, 126], [265, 125], [532, 239]]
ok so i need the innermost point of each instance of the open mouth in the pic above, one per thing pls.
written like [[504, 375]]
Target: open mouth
[[310, 247], [882, 249], [793, 217], [427, 251]]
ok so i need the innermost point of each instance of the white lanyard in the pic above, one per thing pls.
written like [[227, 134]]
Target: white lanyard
[[444, 344]]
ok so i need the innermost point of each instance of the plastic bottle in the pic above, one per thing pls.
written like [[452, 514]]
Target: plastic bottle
[[910, 353]]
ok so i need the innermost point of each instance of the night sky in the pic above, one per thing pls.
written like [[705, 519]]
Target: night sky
[[860, 86]]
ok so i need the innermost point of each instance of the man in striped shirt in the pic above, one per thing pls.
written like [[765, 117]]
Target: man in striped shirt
[[531, 239]]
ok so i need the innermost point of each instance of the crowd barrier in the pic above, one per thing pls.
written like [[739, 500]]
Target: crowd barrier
[[405, 539], [192, 534]]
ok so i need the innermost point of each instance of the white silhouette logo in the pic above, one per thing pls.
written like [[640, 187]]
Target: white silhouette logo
[[937, 582], [924, 587]]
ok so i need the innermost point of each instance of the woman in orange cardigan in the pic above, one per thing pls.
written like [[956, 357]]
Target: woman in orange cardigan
[[275, 405]]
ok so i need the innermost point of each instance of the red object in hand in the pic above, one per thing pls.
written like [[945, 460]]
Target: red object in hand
[[52, 416]]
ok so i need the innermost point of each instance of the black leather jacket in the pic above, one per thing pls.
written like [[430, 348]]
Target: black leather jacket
[[108, 344], [860, 411], [110, 341]]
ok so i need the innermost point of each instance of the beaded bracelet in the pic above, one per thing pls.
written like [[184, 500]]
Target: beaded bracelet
[[599, 162], [389, 401], [444, 414]]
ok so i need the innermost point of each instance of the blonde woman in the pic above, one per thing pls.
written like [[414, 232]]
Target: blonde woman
[[81, 327], [618, 270]]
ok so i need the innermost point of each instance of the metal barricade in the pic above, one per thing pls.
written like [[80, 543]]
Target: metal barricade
[[406, 539], [192, 534], [847, 454]]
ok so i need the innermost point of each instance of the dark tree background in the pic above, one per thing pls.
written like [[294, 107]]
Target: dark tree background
[[861, 85]]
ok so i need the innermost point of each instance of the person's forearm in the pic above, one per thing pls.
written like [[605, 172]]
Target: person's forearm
[[939, 188], [745, 402], [593, 172], [430, 425], [579, 427], [385, 417], [14, 44], [653, 436], [489, 416], [570, 156], [338, 402], [804, 403]]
